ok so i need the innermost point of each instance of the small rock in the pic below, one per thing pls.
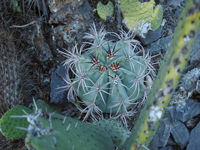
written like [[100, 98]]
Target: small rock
[[171, 3], [190, 123], [167, 148], [43, 52], [187, 110], [152, 36], [198, 86], [162, 134], [194, 141], [72, 18], [193, 59], [159, 45], [58, 96], [180, 134], [187, 86], [172, 123], [161, 137]]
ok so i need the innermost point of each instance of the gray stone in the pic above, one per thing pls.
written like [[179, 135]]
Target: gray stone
[[159, 45], [198, 86], [162, 134], [180, 134], [167, 148], [172, 3], [171, 124], [161, 137], [193, 59], [152, 36], [190, 109], [58, 95], [194, 140]]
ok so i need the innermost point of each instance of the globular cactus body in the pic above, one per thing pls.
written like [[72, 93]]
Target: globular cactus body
[[109, 75], [112, 80]]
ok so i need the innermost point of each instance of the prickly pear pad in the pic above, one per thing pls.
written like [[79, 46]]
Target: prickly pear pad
[[56, 132], [46, 107], [116, 130], [9, 124], [105, 10]]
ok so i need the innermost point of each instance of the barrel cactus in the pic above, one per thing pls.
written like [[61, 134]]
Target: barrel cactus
[[109, 76]]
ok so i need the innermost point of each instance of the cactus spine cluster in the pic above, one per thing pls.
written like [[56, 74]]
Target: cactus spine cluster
[[109, 76]]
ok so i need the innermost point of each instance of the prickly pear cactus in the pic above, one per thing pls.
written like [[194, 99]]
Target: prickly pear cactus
[[9, 125], [46, 107], [13, 124], [141, 17], [57, 132], [105, 10], [109, 75], [157, 17], [115, 129]]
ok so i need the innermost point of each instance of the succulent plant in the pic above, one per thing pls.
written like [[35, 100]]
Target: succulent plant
[[14, 124], [105, 10], [141, 16], [57, 132], [54, 131], [109, 76], [9, 126], [45, 130]]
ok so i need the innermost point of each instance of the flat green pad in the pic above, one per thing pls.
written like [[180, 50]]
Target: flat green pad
[[157, 17], [69, 134], [116, 130], [105, 10], [8, 124], [46, 107]]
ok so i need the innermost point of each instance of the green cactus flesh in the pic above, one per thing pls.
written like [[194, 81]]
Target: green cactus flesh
[[115, 129], [46, 107], [105, 10], [157, 17], [141, 17], [57, 132], [109, 76], [9, 124]]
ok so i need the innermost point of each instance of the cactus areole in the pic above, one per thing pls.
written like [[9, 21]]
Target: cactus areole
[[109, 76]]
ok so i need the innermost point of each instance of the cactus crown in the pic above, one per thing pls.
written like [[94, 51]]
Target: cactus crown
[[109, 76]]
